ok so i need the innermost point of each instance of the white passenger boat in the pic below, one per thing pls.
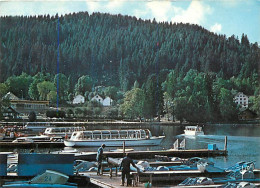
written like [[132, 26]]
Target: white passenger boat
[[95, 138], [62, 131], [193, 130], [37, 126]]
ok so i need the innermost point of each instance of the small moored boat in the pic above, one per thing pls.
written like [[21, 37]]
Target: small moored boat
[[193, 130], [134, 137], [32, 139], [49, 178]]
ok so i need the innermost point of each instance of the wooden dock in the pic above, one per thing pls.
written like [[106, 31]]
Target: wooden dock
[[156, 178], [90, 156], [113, 180], [106, 181], [175, 176], [9, 144], [180, 175]]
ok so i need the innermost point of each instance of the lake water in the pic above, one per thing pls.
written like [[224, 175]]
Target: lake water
[[243, 141]]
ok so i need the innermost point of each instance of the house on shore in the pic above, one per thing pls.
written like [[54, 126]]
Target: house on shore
[[98, 99], [246, 114], [104, 102], [107, 101], [24, 107], [10, 113], [79, 99], [241, 99]]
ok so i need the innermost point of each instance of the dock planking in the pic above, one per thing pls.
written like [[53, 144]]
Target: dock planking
[[174, 176], [106, 181], [30, 144], [151, 154], [180, 175]]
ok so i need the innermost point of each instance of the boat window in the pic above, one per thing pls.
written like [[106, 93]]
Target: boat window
[[74, 134], [123, 134], [80, 135], [132, 134], [114, 134], [96, 135], [88, 135], [105, 134], [146, 134]]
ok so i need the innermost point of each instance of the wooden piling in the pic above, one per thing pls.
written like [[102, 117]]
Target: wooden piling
[[123, 148], [225, 147], [110, 172]]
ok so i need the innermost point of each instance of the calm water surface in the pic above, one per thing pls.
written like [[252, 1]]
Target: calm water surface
[[243, 141]]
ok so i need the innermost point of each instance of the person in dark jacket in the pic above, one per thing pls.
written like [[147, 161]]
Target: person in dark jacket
[[125, 165], [100, 157]]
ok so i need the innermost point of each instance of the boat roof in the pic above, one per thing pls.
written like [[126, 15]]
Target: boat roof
[[192, 126], [116, 131], [65, 127]]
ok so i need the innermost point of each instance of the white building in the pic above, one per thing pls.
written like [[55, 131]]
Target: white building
[[241, 99], [107, 101], [97, 98], [78, 99]]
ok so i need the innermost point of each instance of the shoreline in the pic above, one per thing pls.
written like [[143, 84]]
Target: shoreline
[[124, 123]]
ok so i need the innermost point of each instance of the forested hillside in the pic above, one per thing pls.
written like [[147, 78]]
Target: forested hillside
[[117, 50], [164, 68]]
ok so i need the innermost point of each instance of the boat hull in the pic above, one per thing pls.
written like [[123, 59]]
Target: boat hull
[[153, 141]]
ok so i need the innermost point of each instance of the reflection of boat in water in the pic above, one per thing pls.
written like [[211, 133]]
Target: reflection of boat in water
[[49, 178], [193, 130], [133, 137]]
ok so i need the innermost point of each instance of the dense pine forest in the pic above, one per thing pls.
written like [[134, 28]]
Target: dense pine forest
[[181, 69]]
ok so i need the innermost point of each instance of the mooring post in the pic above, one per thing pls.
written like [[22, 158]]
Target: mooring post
[[110, 172], [123, 148], [225, 147]]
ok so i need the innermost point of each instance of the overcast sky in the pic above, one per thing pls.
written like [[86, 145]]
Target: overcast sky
[[220, 16]]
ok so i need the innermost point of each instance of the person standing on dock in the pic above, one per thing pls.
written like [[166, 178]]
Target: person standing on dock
[[125, 165], [100, 158]]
